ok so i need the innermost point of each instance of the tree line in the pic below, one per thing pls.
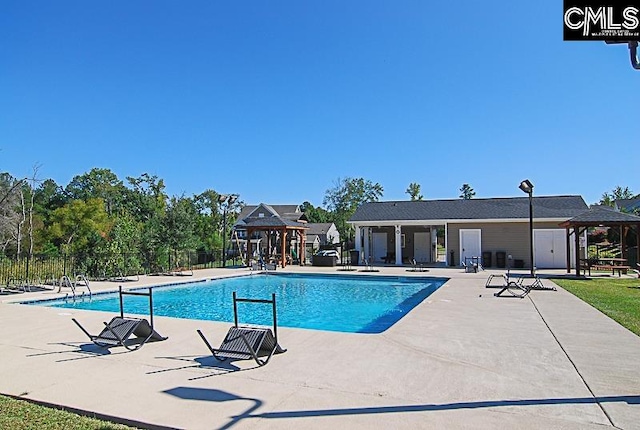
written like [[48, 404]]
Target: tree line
[[98, 213], [99, 216]]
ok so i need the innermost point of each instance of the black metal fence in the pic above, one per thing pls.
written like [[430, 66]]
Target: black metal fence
[[42, 269]]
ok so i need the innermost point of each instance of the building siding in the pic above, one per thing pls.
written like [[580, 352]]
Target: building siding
[[333, 235], [511, 238], [408, 231]]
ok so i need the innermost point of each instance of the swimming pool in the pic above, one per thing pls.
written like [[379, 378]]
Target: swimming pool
[[355, 304]]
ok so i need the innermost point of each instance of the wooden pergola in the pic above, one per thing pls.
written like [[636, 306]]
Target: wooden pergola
[[600, 216], [278, 226]]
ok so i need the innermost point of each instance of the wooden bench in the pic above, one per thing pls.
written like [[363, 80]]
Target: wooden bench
[[606, 267]]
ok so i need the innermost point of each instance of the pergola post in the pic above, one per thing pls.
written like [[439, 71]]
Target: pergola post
[[638, 244], [249, 251], [568, 239], [576, 231], [301, 253], [283, 240]]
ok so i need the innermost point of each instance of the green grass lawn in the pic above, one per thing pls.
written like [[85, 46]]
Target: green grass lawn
[[19, 415], [619, 298]]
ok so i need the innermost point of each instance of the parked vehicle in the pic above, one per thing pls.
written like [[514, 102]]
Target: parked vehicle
[[329, 253]]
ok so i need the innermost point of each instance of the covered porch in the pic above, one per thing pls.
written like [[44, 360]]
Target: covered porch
[[398, 244]]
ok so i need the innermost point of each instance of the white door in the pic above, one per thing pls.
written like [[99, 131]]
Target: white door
[[422, 247], [550, 248], [470, 244], [379, 246]]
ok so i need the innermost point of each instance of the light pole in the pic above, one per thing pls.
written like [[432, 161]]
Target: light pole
[[527, 187], [633, 51], [229, 199]]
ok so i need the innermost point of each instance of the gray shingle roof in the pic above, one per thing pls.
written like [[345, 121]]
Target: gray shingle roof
[[278, 209], [497, 208], [318, 227], [273, 222], [628, 204], [289, 212], [603, 215]]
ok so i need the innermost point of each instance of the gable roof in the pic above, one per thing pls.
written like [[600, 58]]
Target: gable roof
[[274, 221], [555, 207], [287, 212], [318, 227], [628, 205], [249, 209]]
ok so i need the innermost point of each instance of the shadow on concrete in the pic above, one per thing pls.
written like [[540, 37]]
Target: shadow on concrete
[[87, 350], [84, 350], [219, 396], [214, 395], [21, 289], [632, 400], [207, 363]]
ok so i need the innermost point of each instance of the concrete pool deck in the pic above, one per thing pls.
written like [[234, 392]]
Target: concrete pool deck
[[461, 359]]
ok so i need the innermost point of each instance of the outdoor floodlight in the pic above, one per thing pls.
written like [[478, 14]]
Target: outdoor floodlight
[[526, 186], [230, 199]]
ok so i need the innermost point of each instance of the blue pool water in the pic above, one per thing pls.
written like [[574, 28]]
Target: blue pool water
[[355, 304]]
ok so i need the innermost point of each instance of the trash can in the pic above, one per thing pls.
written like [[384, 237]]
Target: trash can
[[355, 257], [451, 260], [501, 258], [486, 258]]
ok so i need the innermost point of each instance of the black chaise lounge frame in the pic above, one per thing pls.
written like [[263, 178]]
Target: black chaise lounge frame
[[517, 286], [246, 342], [117, 331]]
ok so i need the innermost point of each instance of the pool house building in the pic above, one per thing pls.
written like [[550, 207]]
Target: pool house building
[[451, 231]]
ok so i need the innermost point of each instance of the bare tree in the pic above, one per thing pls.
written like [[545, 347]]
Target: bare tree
[[23, 218], [10, 198], [33, 180]]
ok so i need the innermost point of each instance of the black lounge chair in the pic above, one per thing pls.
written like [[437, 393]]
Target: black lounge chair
[[246, 342], [518, 285], [117, 331], [417, 267], [497, 281]]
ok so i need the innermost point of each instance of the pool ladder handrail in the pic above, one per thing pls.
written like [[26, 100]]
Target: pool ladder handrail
[[80, 281]]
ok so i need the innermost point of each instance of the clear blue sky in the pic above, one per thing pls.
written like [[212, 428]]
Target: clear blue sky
[[275, 100]]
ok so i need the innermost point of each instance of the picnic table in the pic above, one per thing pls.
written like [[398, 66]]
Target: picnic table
[[606, 263]]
